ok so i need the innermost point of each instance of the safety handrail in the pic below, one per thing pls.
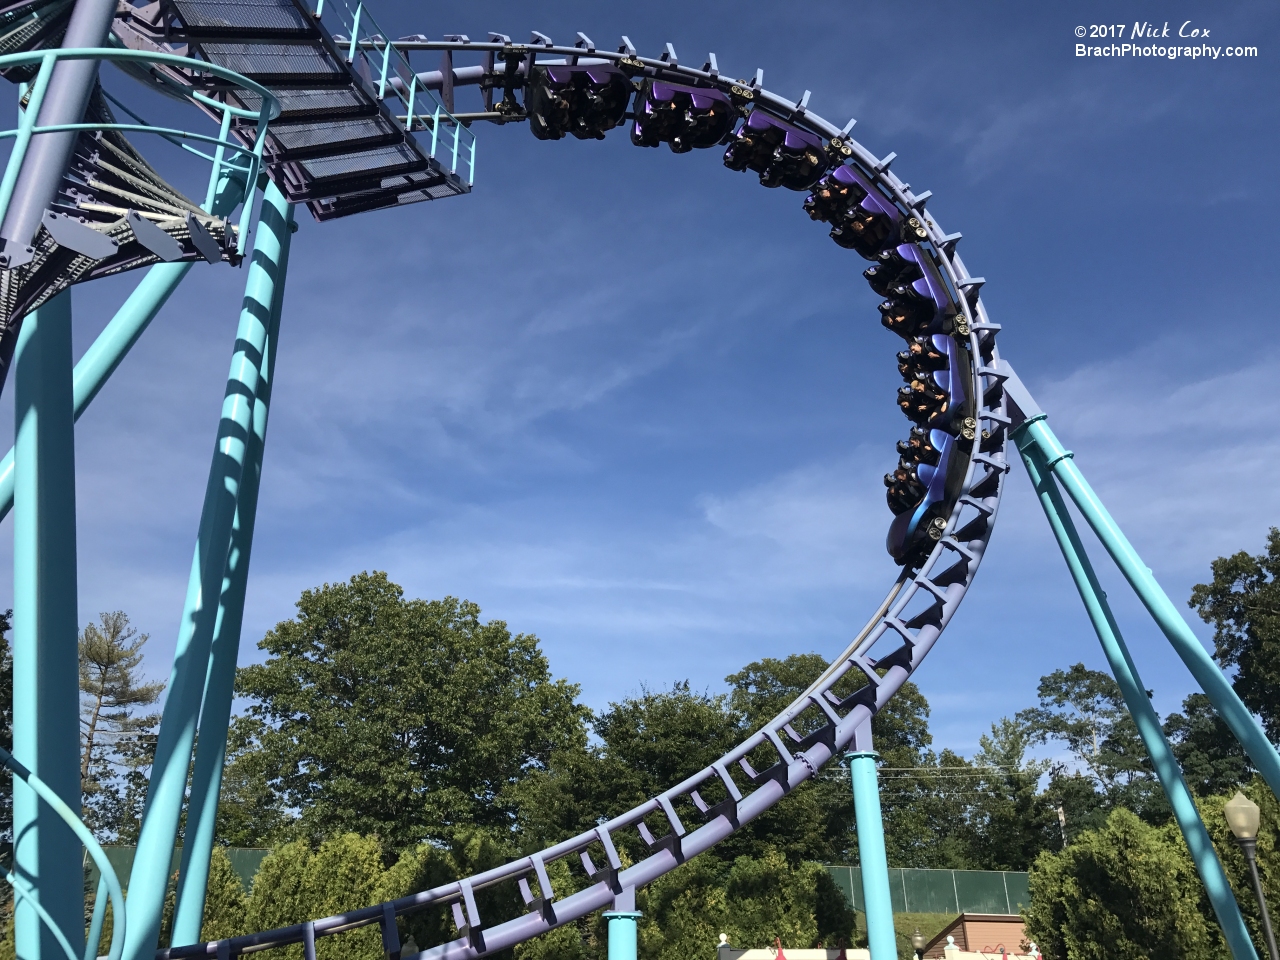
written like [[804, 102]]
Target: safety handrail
[[403, 81], [106, 871], [27, 127], [165, 133]]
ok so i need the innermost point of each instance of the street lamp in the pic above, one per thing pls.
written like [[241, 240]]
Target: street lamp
[[1242, 817], [917, 943]]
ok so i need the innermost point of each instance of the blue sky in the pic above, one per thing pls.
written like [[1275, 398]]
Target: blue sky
[[639, 405]]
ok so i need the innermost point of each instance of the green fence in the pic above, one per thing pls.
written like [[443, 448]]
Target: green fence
[[244, 860], [942, 891], [913, 891]]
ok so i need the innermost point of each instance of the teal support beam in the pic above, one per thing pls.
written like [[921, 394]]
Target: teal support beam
[[622, 933], [46, 716], [215, 713], [1135, 697], [118, 337], [167, 789], [1215, 685], [877, 903]]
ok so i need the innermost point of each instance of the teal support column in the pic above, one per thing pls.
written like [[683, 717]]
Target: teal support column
[[881, 939], [215, 713], [622, 933], [1135, 696], [1216, 686], [167, 789], [118, 337], [46, 682]]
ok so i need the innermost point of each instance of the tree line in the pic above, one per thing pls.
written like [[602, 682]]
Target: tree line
[[427, 743]]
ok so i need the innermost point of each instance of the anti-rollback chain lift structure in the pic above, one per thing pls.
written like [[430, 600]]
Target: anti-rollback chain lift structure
[[317, 107]]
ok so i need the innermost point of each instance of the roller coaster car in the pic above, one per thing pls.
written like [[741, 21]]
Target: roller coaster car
[[834, 196], [904, 489], [892, 266], [921, 355], [919, 447], [909, 312], [783, 155], [937, 403], [686, 118], [586, 101], [917, 495], [923, 400]]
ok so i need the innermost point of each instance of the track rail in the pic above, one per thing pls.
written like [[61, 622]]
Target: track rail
[[822, 722]]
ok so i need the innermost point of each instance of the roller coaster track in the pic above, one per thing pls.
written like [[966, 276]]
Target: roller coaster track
[[323, 104], [336, 145], [940, 552]]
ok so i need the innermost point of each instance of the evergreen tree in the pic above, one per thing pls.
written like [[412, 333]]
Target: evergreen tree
[[118, 744], [225, 902], [1126, 892]]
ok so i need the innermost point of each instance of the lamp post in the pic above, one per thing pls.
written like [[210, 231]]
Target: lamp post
[[1242, 816], [917, 944]]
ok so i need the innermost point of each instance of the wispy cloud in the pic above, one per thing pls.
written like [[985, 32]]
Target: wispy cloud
[[639, 405]]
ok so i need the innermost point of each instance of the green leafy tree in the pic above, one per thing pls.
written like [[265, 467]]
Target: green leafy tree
[[427, 866], [652, 741], [1013, 822], [118, 743], [1084, 710], [250, 813], [924, 808], [348, 871], [647, 743], [1211, 757], [1242, 603], [1125, 892], [1077, 797], [405, 719], [754, 900], [816, 820]]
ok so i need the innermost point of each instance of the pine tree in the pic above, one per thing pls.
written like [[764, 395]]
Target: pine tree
[[118, 745], [225, 900]]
